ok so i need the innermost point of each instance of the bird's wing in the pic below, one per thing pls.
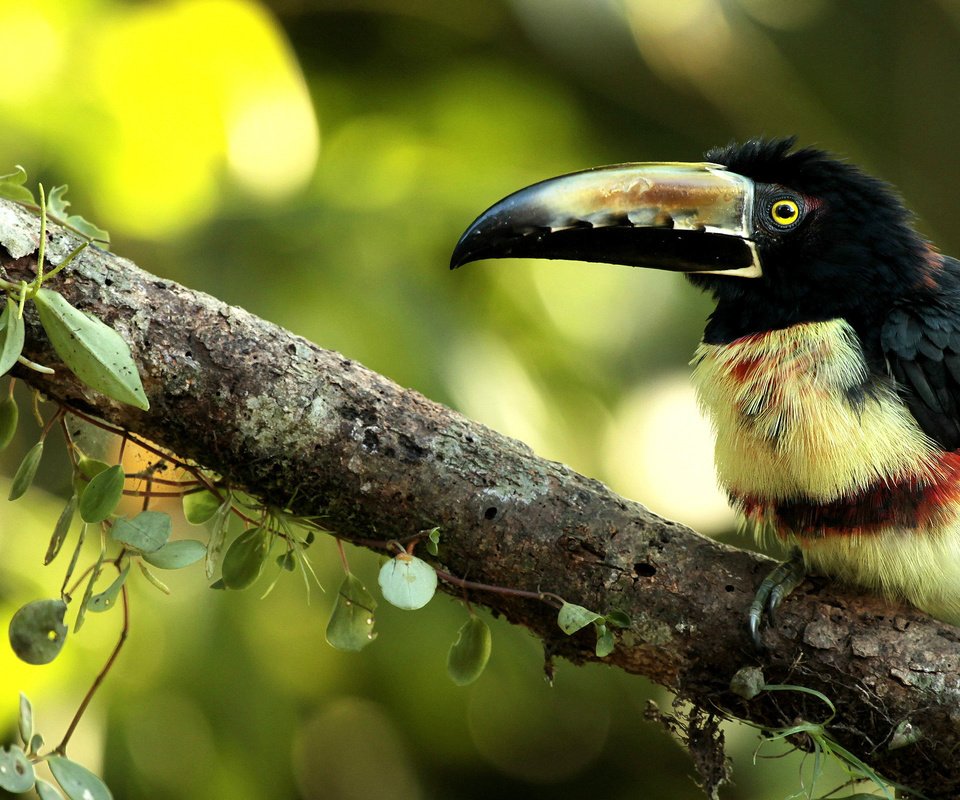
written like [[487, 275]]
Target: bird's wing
[[922, 349]]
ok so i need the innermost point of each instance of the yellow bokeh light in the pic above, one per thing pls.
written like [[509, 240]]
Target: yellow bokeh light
[[188, 91], [659, 450]]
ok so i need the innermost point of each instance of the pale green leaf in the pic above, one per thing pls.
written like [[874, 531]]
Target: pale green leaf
[[57, 208], [218, 535], [351, 624], [107, 599], [573, 617], [12, 188], [102, 495], [9, 418], [243, 561], [468, 655], [61, 529], [37, 632], [199, 507], [26, 472], [16, 771], [12, 334], [77, 782], [148, 574], [147, 532], [25, 719], [95, 352], [605, 641], [36, 744], [47, 791], [177, 554], [407, 582]]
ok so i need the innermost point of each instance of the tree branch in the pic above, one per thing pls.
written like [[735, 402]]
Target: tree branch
[[301, 426]]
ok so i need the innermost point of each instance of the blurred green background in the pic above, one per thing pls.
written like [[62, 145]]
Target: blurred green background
[[315, 162]]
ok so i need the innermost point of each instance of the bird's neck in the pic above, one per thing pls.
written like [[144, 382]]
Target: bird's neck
[[806, 432]]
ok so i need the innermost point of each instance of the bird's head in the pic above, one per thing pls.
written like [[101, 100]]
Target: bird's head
[[777, 236]]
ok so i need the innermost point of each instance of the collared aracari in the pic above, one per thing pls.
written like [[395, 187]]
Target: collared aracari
[[830, 366]]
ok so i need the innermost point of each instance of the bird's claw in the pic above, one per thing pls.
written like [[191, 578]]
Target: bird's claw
[[778, 584]]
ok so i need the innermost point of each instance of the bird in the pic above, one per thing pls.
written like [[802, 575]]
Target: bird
[[829, 366]]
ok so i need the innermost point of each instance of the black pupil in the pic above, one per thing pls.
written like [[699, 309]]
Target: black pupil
[[783, 210]]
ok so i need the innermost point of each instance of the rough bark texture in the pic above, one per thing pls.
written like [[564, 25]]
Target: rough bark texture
[[286, 419]]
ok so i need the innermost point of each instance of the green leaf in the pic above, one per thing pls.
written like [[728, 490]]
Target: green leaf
[[107, 599], [95, 352], [148, 574], [243, 561], [468, 655], [11, 336], [36, 744], [407, 582], [61, 529], [37, 632], [147, 532], [287, 561], [26, 472], [9, 417], [218, 535], [12, 188], [178, 554], [199, 507], [605, 641], [89, 468], [25, 720], [433, 540], [351, 624], [77, 782], [57, 208], [573, 617], [102, 495], [618, 618], [16, 772], [47, 791], [91, 582]]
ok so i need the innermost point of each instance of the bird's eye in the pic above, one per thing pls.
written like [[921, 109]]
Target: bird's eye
[[785, 212]]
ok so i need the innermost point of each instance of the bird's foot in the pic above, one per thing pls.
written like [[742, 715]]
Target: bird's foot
[[779, 583]]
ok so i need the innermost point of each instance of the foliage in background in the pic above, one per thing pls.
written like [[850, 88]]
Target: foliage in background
[[315, 162]]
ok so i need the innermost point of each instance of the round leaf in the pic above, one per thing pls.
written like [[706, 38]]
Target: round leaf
[[95, 352], [199, 507], [243, 561], [16, 772], [37, 632], [407, 582], [573, 617], [9, 417], [174, 555], [605, 641], [77, 782], [146, 532], [102, 495], [89, 468], [351, 623], [26, 472], [468, 655]]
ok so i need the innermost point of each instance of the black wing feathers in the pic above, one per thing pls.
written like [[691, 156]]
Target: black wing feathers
[[921, 344]]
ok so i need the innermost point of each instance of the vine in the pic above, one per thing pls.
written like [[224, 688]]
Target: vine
[[243, 535]]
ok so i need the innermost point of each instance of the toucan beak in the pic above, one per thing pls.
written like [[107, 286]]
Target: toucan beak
[[681, 217]]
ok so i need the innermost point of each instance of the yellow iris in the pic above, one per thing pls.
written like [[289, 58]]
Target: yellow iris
[[785, 211]]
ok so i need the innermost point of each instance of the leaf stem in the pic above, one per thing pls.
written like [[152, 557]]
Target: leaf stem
[[61, 749]]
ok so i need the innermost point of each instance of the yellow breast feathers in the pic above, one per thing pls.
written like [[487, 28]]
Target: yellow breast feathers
[[797, 416]]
